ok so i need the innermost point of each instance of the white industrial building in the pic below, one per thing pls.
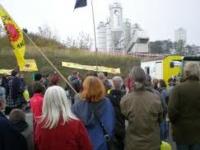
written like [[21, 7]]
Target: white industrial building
[[117, 34], [180, 35]]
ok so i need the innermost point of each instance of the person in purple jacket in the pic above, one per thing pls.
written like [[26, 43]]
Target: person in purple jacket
[[95, 111]]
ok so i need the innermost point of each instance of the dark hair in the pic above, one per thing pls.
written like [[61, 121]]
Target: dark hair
[[76, 84], [91, 73], [106, 74], [55, 78], [162, 83], [14, 73], [37, 77], [38, 88], [17, 115]]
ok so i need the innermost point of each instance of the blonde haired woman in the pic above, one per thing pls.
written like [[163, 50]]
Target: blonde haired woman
[[95, 111], [59, 129]]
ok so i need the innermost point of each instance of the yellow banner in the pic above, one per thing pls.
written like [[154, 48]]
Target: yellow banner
[[92, 68], [15, 36], [5, 71], [30, 66]]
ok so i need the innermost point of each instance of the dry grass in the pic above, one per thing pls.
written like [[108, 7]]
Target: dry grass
[[57, 53]]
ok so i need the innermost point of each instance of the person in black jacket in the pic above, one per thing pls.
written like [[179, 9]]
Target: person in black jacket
[[15, 97], [10, 138], [18, 119], [115, 95]]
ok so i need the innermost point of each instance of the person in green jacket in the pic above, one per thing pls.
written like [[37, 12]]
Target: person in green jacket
[[184, 109], [143, 110]]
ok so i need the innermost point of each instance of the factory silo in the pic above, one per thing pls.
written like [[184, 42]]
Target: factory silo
[[116, 23], [127, 32], [101, 37], [109, 40]]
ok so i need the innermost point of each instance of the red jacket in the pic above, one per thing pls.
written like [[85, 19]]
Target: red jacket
[[36, 102], [71, 136], [36, 105]]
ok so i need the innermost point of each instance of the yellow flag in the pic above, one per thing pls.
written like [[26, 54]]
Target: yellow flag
[[30, 66], [15, 36]]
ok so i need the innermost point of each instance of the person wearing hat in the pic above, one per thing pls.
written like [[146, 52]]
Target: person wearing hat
[[10, 138]]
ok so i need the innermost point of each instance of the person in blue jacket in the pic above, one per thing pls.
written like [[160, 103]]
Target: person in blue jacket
[[94, 110]]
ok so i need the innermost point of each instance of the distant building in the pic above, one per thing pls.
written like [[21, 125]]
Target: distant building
[[119, 35], [194, 49], [181, 35]]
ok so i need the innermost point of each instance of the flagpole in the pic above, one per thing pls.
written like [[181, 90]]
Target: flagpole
[[49, 61], [94, 30]]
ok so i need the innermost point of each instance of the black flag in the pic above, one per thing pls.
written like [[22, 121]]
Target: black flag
[[80, 3]]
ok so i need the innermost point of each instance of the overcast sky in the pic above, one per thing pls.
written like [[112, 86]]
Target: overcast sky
[[158, 17]]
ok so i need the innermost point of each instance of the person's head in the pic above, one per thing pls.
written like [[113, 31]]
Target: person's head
[[155, 83], [101, 76], [171, 82], [75, 73], [76, 84], [161, 84], [139, 77], [192, 70], [56, 107], [106, 74], [17, 115], [14, 73], [54, 79], [117, 82], [93, 89], [37, 77], [38, 88]]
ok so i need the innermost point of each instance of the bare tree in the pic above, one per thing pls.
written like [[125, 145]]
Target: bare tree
[[70, 42], [45, 31], [84, 40]]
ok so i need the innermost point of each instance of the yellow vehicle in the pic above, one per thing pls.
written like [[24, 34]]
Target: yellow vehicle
[[163, 68], [187, 59]]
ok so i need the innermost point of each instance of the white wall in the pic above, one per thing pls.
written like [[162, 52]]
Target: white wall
[[155, 68], [140, 48]]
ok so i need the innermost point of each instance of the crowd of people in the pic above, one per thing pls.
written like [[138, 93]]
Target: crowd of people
[[100, 113]]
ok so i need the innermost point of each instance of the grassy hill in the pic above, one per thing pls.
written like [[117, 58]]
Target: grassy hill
[[57, 53]]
